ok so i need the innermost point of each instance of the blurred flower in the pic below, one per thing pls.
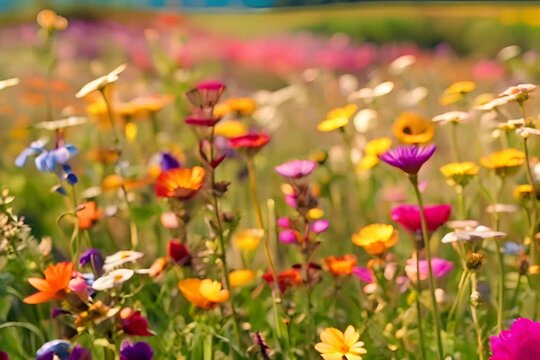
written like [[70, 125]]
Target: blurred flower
[[411, 128], [523, 191], [202, 120], [408, 216], [178, 252], [364, 120], [206, 94], [250, 143], [241, 278], [451, 117], [408, 158], [372, 150], [46, 160], [289, 236], [440, 267], [285, 278], [168, 162], [402, 63], [50, 349], [296, 169], [315, 213], [88, 214], [340, 265], [478, 232], [169, 220], [100, 83], [93, 257], [518, 342], [456, 92], [337, 118], [504, 162], [61, 123], [112, 279], [8, 83], [158, 267], [319, 226], [236, 106], [138, 351], [460, 173], [336, 345], [133, 323], [79, 286], [230, 129], [369, 94], [54, 285], [501, 208], [120, 258], [249, 239], [527, 131], [519, 93], [80, 353], [49, 20], [180, 183], [203, 293], [376, 238], [365, 274]]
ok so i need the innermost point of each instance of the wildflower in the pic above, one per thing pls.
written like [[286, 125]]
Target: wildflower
[[285, 279], [372, 150], [133, 323], [230, 129], [376, 238], [369, 94], [168, 161], [55, 284], [504, 162], [401, 64], [46, 160], [137, 351], [260, 342], [337, 118], [50, 349], [180, 183], [519, 93], [61, 123], [112, 279], [336, 345], [408, 158], [101, 83], [289, 236], [341, 265], [202, 120], [88, 214], [241, 278], [411, 128], [408, 216], [79, 286], [158, 267], [178, 252], [456, 92], [169, 220], [203, 293], [494, 103], [51, 21], [206, 94], [120, 258], [364, 120], [460, 173], [8, 83], [296, 169], [363, 273], [455, 117], [518, 342], [238, 106], [478, 232], [319, 226], [250, 143], [93, 257], [249, 239], [440, 267], [523, 191]]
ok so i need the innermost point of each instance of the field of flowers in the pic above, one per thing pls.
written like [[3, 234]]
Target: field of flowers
[[174, 193]]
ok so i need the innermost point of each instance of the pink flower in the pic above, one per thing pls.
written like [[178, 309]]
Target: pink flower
[[79, 286], [521, 341], [320, 226], [440, 267], [364, 274], [206, 94], [296, 169], [288, 236], [408, 216]]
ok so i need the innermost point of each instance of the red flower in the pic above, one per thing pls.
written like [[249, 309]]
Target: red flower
[[178, 252], [408, 216], [180, 183], [206, 94], [249, 141], [286, 278], [133, 323]]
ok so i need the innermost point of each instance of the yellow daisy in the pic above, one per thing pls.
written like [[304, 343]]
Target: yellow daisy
[[336, 345]]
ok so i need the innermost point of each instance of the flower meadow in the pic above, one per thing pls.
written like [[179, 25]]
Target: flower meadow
[[345, 202]]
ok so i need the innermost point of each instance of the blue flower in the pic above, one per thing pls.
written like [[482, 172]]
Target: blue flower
[[60, 348], [46, 160], [168, 161]]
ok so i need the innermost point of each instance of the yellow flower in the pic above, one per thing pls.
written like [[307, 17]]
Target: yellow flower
[[240, 278], [340, 265], [239, 106], [336, 345], [372, 151], [230, 129], [504, 162], [337, 118], [456, 92], [249, 239], [49, 20], [522, 192], [376, 238], [460, 172], [203, 293], [315, 214], [411, 128]]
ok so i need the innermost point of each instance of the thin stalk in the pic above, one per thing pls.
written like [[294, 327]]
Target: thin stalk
[[425, 235], [500, 289], [534, 208], [461, 290], [455, 146], [419, 310], [474, 314]]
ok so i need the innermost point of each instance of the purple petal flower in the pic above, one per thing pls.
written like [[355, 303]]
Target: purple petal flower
[[521, 341], [364, 274], [287, 236], [80, 353], [409, 158], [320, 226], [57, 347], [296, 169], [138, 351], [168, 161], [94, 258]]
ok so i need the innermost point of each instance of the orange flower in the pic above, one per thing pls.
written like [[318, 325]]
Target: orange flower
[[376, 238], [340, 265], [88, 215], [180, 183], [56, 281], [411, 128], [203, 293]]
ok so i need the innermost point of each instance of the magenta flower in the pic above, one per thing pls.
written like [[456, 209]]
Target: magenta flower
[[408, 216], [365, 274], [296, 169], [206, 94], [202, 120], [440, 267], [320, 226], [284, 222], [409, 158], [521, 341], [288, 236]]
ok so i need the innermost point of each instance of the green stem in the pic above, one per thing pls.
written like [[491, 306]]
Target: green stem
[[534, 209], [474, 314], [459, 296], [500, 303], [455, 146], [425, 235], [419, 309]]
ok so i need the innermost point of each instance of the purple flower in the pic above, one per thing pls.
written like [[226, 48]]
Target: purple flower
[[47, 351], [296, 169], [320, 226], [138, 351], [440, 267], [80, 353], [409, 158], [168, 161], [94, 258], [46, 160], [364, 274], [521, 341]]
